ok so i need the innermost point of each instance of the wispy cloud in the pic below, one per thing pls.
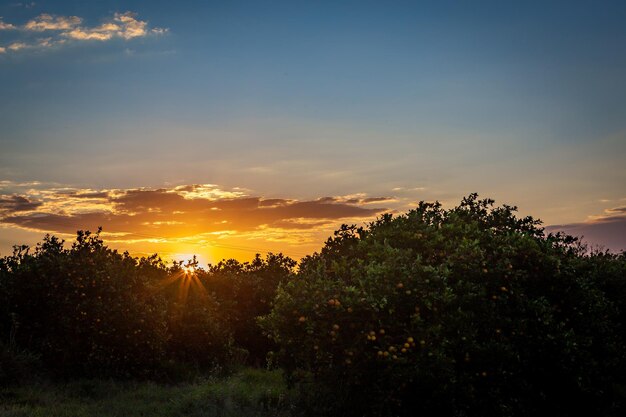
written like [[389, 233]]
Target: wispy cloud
[[123, 25], [6, 26], [607, 230], [59, 30], [27, 5], [16, 203], [16, 46], [197, 212], [50, 22]]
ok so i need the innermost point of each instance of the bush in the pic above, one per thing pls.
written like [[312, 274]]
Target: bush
[[200, 334], [91, 311], [86, 310], [463, 312], [246, 291]]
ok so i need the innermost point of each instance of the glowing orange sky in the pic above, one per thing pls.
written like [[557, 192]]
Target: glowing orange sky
[[185, 220], [322, 113], [212, 222]]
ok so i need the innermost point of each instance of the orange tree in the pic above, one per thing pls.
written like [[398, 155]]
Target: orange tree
[[200, 335], [245, 291], [87, 310], [468, 311]]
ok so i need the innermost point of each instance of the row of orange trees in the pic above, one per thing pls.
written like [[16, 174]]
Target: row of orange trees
[[469, 311], [463, 312], [88, 310]]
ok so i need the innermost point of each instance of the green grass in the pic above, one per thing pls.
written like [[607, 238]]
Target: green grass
[[248, 393]]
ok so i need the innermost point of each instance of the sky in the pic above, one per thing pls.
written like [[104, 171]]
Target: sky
[[225, 128]]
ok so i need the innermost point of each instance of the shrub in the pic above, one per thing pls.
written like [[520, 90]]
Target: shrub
[[91, 311], [200, 335], [86, 310], [468, 311], [244, 292]]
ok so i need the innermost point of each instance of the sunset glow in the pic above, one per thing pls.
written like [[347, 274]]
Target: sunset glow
[[313, 208], [180, 133]]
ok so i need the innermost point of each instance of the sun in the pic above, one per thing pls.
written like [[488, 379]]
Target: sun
[[189, 269]]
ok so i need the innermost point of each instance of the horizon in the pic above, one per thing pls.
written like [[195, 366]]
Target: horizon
[[227, 129]]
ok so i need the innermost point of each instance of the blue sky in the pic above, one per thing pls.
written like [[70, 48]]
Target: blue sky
[[300, 100]]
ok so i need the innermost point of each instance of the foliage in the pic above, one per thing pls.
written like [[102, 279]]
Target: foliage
[[246, 291], [200, 335], [463, 312], [88, 310], [84, 309]]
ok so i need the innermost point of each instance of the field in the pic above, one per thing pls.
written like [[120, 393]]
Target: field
[[249, 392]]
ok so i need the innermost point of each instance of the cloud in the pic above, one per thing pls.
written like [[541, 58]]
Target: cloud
[[183, 212], [15, 203], [123, 25], [607, 231], [28, 5], [85, 35], [617, 210], [60, 29], [356, 199], [130, 26], [6, 26], [49, 22], [377, 200], [16, 46]]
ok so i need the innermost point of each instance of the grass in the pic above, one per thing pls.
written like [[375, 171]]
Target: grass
[[248, 393]]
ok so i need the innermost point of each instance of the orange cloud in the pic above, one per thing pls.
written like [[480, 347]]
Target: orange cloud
[[48, 22], [201, 214], [16, 203], [61, 29], [6, 26]]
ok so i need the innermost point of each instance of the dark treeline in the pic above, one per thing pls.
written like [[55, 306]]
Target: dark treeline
[[470, 311], [88, 311]]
